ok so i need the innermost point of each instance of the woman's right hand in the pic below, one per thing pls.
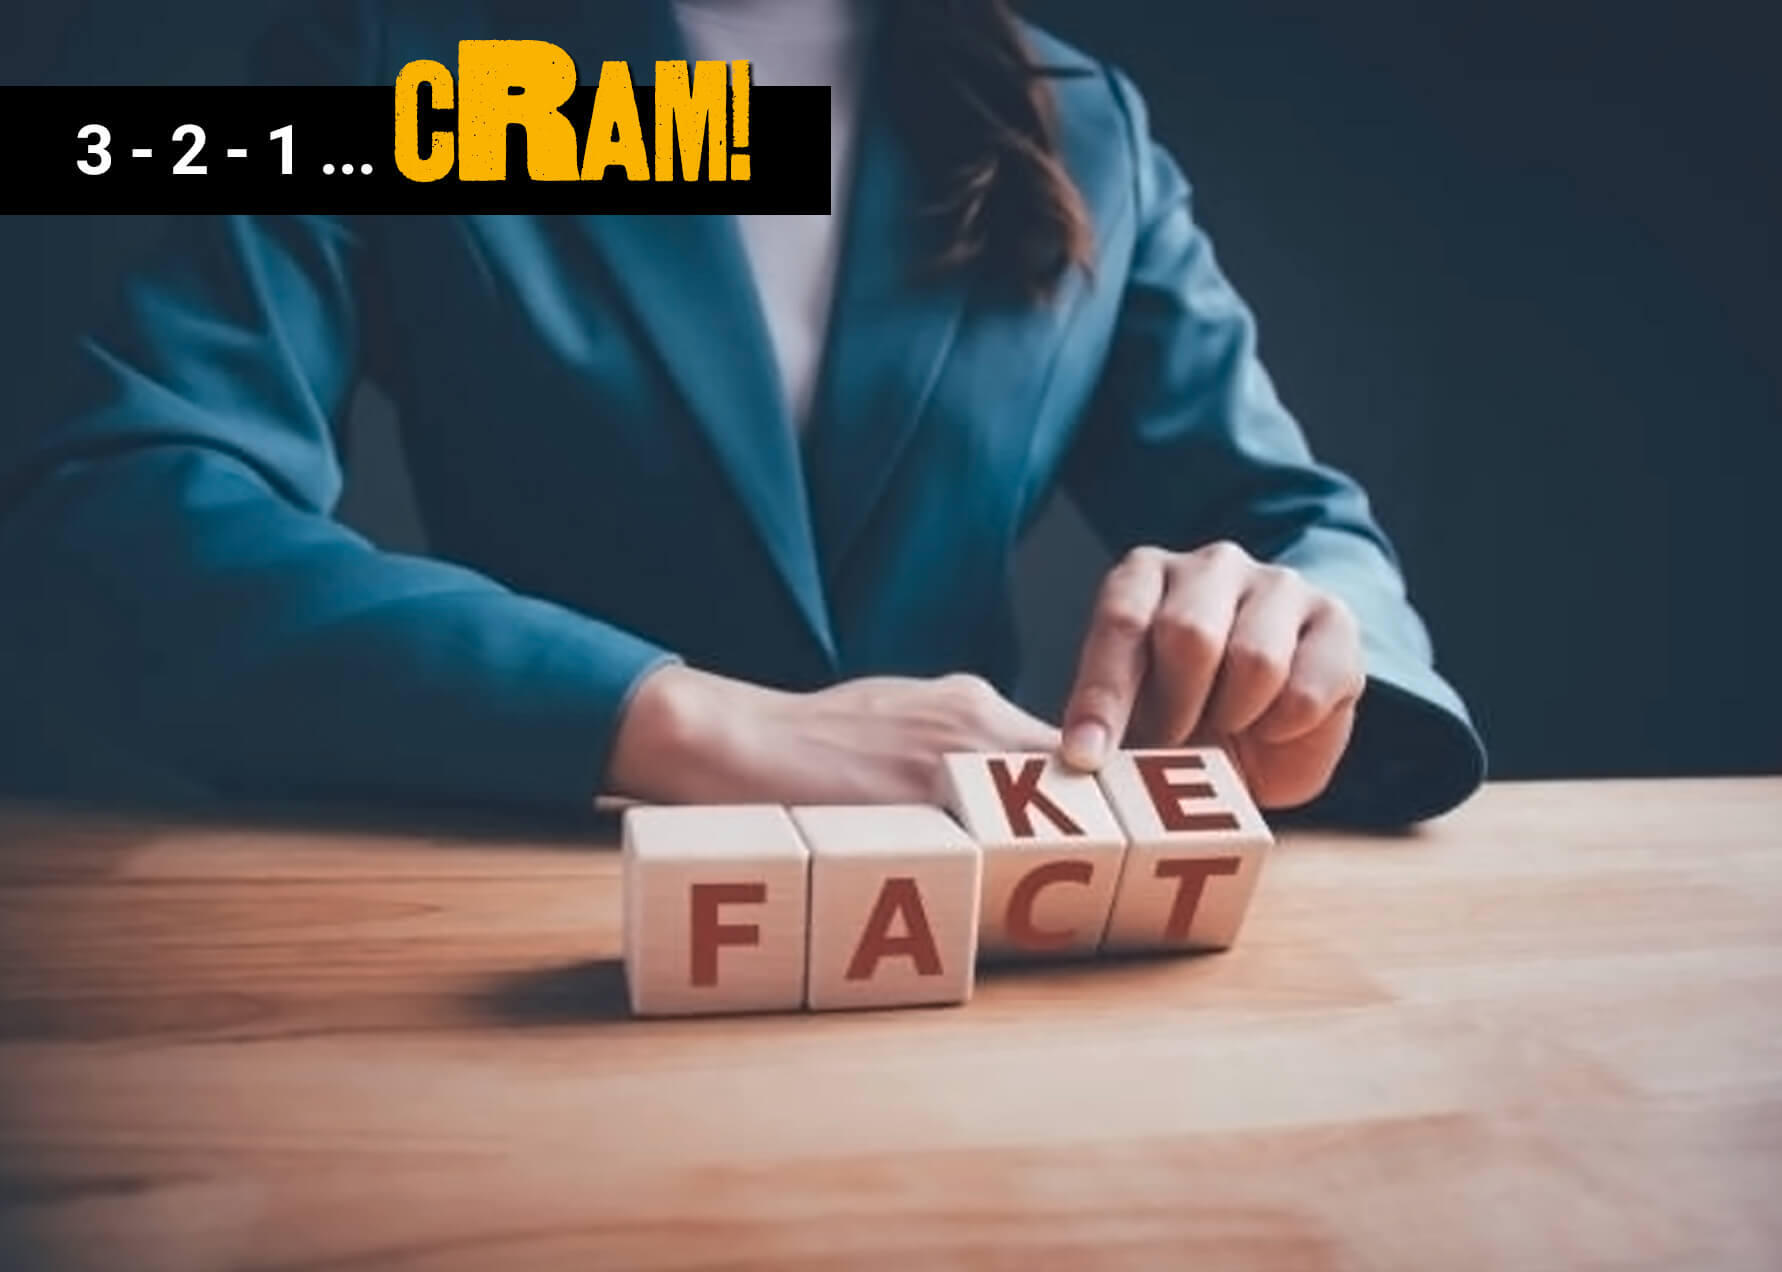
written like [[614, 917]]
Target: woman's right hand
[[692, 737]]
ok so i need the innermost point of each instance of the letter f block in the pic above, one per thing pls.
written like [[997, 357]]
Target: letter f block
[[715, 906], [1052, 853], [1197, 848]]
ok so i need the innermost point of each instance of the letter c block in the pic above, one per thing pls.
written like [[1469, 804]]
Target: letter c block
[[1052, 853]]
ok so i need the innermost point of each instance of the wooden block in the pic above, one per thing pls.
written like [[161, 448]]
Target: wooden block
[[1196, 847], [1052, 853], [715, 906], [894, 906]]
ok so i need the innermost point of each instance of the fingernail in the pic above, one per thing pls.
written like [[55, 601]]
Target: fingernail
[[1086, 744]]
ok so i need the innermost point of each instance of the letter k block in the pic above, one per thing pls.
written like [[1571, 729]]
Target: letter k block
[[1052, 853], [715, 906]]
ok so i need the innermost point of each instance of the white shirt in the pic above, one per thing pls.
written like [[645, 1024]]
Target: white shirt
[[793, 258]]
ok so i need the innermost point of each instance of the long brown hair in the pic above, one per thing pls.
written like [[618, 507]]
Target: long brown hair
[[980, 117]]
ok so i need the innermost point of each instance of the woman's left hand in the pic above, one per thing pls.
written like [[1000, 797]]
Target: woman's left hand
[[1214, 647]]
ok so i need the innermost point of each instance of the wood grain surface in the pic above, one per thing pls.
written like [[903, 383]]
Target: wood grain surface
[[1544, 1033]]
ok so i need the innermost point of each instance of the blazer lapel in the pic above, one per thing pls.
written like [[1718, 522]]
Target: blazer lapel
[[687, 280], [889, 334]]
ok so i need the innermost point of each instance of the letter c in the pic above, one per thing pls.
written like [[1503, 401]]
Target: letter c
[[409, 162], [1019, 924]]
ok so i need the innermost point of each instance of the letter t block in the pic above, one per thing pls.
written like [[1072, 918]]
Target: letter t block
[[715, 906], [1197, 845], [1052, 853]]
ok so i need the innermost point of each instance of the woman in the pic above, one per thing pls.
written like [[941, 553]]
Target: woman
[[725, 506]]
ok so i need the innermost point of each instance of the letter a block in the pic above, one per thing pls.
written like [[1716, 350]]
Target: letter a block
[[1197, 845], [715, 906], [1052, 853], [894, 906]]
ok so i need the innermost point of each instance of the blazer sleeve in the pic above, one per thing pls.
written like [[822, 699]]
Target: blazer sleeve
[[183, 616], [1188, 443]]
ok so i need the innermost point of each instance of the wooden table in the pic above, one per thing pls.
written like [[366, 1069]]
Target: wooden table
[[1546, 1033]]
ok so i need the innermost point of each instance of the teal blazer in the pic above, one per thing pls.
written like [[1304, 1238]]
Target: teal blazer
[[608, 475]]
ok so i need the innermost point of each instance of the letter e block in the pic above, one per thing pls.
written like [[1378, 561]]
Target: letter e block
[[1052, 853], [894, 906], [715, 905], [1197, 846]]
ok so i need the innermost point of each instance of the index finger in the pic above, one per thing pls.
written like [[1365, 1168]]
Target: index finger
[[1112, 665]]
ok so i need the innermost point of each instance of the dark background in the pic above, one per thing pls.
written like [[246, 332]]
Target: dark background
[[1516, 268]]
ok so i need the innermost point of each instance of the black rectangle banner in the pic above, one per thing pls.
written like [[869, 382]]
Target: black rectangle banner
[[332, 150]]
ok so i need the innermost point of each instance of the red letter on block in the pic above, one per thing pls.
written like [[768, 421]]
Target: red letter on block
[[1018, 793], [1192, 874], [709, 934], [898, 897], [1167, 794], [1019, 926]]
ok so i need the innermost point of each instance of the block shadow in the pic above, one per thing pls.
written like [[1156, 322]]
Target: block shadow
[[581, 993]]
